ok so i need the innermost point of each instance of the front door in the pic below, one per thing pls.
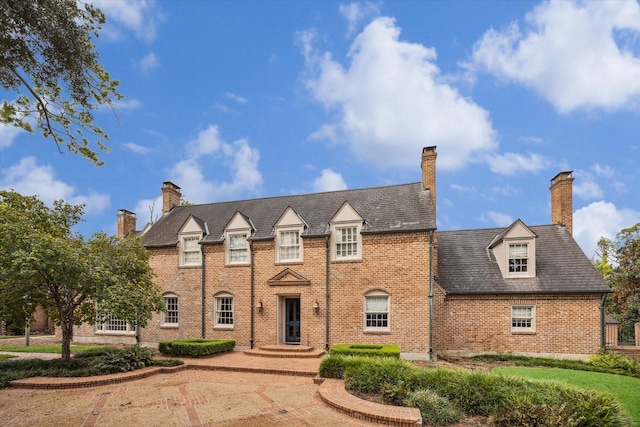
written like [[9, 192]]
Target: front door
[[292, 321]]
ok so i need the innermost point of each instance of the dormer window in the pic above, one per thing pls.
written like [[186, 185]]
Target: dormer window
[[237, 234], [191, 232], [288, 237], [518, 257], [238, 249], [346, 240]]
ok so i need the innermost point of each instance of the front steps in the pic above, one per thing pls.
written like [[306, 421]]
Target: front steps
[[285, 351]]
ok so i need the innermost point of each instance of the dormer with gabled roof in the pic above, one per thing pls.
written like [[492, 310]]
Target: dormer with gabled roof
[[346, 226], [189, 237], [288, 237], [236, 236], [514, 250]]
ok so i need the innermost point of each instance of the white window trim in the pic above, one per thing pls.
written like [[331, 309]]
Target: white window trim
[[100, 327], [163, 315], [183, 239], [523, 330], [217, 325], [531, 268], [335, 232], [377, 293], [279, 232], [228, 248]]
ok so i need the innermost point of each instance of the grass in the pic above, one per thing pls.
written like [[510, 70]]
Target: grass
[[5, 356], [626, 389], [43, 348]]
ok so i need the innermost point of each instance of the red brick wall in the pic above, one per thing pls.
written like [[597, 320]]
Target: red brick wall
[[564, 325]]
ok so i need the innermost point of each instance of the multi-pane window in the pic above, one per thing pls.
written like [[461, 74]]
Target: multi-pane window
[[170, 316], [191, 251], [522, 318], [112, 324], [238, 248], [346, 242], [518, 258], [224, 310], [290, 245], [376, 308]]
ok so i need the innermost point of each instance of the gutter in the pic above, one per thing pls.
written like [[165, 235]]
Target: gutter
[[431, 355], [204, 294], [603, 339], [253, 295], [326, 296]]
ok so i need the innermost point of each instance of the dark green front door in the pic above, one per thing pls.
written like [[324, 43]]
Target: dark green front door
[[292, 323]]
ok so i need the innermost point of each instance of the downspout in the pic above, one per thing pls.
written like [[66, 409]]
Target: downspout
[[326, 295], [253, 296], [431, 358], [603, 339], [204, 295]]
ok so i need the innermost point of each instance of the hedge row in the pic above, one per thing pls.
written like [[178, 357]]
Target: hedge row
[[195, 347], [379, 350]]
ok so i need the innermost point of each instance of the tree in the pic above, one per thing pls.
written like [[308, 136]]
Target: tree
[[44, 263], [624, 277], [48, 59]]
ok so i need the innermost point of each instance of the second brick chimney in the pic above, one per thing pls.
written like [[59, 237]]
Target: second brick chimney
[[562, 200], [126, 223], [428, 166], [170, 196]]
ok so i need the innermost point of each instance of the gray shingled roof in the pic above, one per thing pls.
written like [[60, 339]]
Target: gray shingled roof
[[466, 266], [397, 208]]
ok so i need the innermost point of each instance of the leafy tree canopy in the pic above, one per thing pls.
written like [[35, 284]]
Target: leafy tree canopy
[[42, 262], [620, 265], [48, 59]]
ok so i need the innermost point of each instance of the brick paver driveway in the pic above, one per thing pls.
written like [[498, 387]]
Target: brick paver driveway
[[185, 398]]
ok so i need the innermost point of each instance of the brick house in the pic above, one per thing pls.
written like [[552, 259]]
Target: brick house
[[367, 266]]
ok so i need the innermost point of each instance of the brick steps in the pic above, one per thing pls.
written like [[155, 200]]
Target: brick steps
[[333, 393], [285, 352]]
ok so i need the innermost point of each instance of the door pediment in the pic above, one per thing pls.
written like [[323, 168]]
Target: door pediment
[[288, 277]]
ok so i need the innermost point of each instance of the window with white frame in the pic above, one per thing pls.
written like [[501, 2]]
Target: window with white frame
[[376, 310], [170, 316], [518, 258], [346, 242], [522, 318], [223, 310], [289, 247], [190, 250], [238, 249], [112, 324]]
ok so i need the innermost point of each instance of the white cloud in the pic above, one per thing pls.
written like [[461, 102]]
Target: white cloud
[[571, 53], [391, 101], [499, 219], [237, 98], [463, 188], [128, 104], [329, 181], [137, 148], [209, 152], [603, 171], [29, 178], [588, 189], [140, 16], [148, 63], [600, 219], [513, 163], [355, 13], [8, 134]]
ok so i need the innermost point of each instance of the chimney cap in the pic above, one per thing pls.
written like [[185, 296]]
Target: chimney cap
[[432, 148], [169, 184], [125, 212], [562, 176]]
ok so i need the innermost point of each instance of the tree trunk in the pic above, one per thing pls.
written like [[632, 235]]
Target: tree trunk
[[67, 335]]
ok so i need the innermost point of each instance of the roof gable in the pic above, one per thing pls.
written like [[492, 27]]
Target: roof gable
[[290, 219], [193, 225], [346, 213]]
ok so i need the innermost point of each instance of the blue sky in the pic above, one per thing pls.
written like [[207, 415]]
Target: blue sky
[[242, 99]]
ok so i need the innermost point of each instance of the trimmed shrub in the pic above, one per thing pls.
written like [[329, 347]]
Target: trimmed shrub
[[377, 375], [124, 360], [378, 350], [435, 410], [334, 366], [195, 347]]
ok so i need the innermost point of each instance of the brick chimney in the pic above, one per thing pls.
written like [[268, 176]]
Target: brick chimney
[[170, 196], [126, 223], [562, 200], [428, 166]]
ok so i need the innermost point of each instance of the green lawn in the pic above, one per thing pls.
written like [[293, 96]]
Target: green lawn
[[627, 389], [44, 348]]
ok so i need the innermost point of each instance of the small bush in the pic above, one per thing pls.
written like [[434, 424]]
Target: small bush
[[123, 360], [435, 410], [167, 363], [613, 361], [376, 375], [379, 350], [195, 347]]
